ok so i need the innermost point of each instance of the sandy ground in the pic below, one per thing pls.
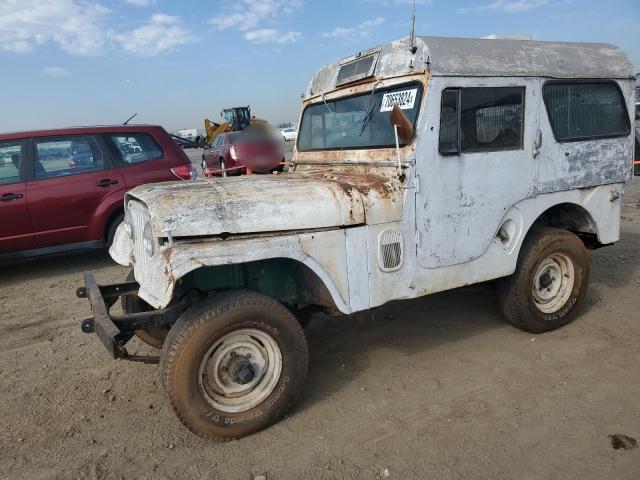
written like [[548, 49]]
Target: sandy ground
[[439, 387]]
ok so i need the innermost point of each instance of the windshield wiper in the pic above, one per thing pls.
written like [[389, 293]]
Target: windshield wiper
[[370, 109]]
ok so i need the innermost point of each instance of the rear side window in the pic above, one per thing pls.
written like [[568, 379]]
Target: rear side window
[[585, 111], [135, 148], [481, 120], [63, 156], [10, 160]]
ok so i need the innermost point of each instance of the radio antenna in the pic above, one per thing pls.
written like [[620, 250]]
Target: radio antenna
[[129, 119], [412, 35]]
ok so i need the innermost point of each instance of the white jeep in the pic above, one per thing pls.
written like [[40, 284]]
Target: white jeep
[[421, 165]]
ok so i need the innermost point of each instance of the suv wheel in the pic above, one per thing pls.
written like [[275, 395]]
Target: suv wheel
[[550, 281], [233, 365], [204, 165]]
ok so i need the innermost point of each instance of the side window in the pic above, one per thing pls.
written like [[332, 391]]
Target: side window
[[62, 156], [135, 148], [585, 111], [481, 120], [10, 160]]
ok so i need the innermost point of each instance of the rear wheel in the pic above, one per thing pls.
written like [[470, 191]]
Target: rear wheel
[[153, 336], [550, 281], [233, 365]]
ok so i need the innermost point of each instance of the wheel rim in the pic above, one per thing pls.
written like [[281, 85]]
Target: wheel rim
[[204, 166], [240, 370], [553, 282]]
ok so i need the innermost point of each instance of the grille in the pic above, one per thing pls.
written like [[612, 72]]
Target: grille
[[390, 253], [138, 217]]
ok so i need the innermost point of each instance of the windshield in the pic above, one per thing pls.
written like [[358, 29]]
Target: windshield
[[361, 121]]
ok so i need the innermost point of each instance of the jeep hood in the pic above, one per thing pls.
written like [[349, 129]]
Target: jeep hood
[[269, 203]]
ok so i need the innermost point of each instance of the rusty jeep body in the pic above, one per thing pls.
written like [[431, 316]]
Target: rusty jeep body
[[421, 165]]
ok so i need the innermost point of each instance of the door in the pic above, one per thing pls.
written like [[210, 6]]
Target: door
[[218, 151], [483, 165], [72, 177], [15, 227], [139, 158]]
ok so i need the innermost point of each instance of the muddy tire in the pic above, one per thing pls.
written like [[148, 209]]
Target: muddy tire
[[233, 365], [550, 281], [154, 336]]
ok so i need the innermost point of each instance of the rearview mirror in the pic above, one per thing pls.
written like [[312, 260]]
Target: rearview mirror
[[405, 128]]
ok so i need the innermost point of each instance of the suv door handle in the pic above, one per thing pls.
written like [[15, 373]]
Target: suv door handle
[[106, 182], [7, 197]]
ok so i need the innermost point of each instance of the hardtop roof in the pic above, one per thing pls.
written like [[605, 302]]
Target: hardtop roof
[[498, 57], [475, 57]]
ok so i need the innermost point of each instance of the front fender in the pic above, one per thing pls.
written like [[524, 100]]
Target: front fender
[[322, 252]]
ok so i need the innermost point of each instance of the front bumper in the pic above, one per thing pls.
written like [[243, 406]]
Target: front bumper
[[114, 331]]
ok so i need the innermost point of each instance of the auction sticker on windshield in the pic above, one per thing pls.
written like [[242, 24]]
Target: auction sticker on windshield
[[405, 100]]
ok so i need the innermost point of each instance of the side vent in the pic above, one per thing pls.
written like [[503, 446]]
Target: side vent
[[390, 253]]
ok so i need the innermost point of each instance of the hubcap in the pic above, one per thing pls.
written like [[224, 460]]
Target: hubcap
[[553, 282], [240, 370]]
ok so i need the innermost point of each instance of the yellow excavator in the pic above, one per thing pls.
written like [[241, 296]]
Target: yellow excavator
[[235, 120]]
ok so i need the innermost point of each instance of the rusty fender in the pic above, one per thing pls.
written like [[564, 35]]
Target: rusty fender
[[321, 251]]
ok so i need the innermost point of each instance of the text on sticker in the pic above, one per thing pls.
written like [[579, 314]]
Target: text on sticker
[[405, 100]]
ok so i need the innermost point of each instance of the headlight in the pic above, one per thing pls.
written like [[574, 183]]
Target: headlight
[[232, 151], [148, 239], [128, 230]]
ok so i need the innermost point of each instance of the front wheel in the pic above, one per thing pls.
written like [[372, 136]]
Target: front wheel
[[204, 165], [233, 365], [550, 281]]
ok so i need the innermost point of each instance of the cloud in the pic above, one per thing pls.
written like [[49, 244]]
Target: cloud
[[78, 28], [362, 30], [162, 33], [271, 35], [505, 6], [247, 15], [57, 72], [75, 27], [141, 3]]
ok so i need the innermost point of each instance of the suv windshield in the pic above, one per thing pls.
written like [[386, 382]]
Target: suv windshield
[[360, 121]]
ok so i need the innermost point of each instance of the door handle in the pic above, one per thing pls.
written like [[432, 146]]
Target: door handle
[[106, 182], [7, 197], [537, 143]]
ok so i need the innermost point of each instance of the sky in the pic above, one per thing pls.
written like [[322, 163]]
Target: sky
[[86, 62]]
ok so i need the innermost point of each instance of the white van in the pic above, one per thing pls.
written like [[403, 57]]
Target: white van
[[421, 165]]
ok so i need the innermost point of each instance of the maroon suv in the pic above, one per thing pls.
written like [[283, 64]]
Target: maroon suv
[[64, 189]]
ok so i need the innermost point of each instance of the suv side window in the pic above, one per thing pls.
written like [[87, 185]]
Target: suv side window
[[11, 156], [586, 110], [63, 156], [132, 148], [481, 120]]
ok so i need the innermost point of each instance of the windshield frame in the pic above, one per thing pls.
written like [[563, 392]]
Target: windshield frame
[[380, 90]]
